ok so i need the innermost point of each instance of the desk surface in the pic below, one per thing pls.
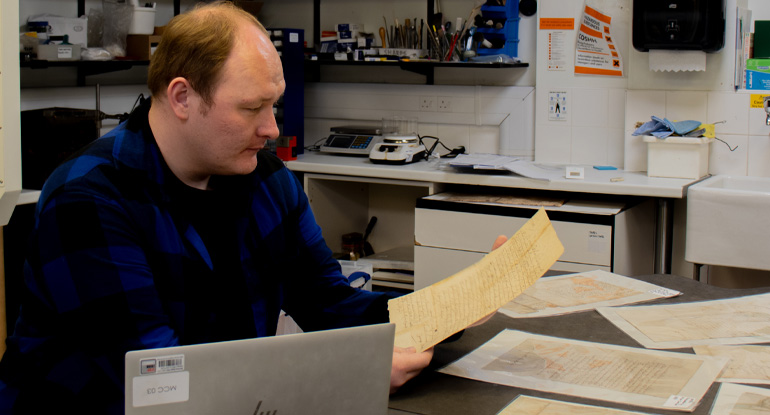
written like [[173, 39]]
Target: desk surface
[[595, 181], [436, 393]]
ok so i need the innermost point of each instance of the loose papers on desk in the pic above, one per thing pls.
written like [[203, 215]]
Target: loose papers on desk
[[426, 317], [584, 291], [530, 405], [626, 375], [516, 165], [748, 364], [741, 399], [732, 321]]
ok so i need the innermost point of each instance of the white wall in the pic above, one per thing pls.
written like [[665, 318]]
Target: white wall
[[500, 112], [484, 119]]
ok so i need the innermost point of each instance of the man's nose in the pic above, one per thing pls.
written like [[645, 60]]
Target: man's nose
[[269, 126]]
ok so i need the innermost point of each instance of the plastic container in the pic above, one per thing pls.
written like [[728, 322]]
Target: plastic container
[[359, 273], [678, 157], [143, 22], [509, 33]]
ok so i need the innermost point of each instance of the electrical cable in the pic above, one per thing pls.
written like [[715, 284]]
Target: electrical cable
[[315, 146], [452, 152]]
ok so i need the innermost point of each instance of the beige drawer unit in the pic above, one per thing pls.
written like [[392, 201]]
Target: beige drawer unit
[[451, 234]]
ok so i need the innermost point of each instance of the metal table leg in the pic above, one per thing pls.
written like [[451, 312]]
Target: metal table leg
[[664, 226]]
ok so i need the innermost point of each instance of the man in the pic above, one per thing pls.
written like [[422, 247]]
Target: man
[[175, 228]]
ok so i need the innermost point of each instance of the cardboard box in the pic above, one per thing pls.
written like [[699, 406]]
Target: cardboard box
[[141, 47], [762, 65], [757, 80]]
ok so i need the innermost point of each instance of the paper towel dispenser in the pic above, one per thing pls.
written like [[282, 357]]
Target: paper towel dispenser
[[679, 24]]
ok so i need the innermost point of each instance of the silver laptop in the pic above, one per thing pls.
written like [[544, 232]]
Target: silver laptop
[[343, 371]]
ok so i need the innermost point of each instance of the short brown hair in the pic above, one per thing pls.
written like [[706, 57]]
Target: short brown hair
[[195, 46]]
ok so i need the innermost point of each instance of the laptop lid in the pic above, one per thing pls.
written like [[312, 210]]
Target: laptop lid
[[342, 371]]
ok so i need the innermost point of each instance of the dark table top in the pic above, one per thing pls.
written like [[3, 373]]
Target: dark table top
[[436, 393]]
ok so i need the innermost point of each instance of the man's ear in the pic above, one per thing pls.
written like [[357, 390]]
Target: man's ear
[[179, 94]]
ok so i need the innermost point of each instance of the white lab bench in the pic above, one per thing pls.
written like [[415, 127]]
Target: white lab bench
[[346, 191]]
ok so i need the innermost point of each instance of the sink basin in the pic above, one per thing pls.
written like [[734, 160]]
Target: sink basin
[[728, 222]]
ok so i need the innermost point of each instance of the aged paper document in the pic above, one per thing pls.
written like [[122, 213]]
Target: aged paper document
[[748, 364], [530, 405], [734, 399], [732, 321], [430, 315], [627, 375], [580, 292]]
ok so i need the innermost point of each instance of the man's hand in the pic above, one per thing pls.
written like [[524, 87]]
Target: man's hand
[[407, 363], [501, 239]]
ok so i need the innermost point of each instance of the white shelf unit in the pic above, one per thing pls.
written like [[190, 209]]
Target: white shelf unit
[[607, 237], [344, 204]]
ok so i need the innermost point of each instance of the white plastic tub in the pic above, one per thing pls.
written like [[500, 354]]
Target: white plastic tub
[[143, 22], [678, 157]]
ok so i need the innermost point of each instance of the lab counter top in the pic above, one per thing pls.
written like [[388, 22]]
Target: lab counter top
[[611, 182], [436, 393]]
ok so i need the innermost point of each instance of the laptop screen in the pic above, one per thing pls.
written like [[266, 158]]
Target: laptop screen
[[342, 371]]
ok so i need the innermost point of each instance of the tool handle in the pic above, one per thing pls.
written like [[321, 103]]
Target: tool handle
[[382, 36]]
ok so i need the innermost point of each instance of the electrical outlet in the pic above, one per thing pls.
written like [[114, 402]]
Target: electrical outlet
[[427, 103], [444, 104]]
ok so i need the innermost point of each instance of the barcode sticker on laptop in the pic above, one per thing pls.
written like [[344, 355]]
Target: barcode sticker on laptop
[[161, 389], [162, 364]]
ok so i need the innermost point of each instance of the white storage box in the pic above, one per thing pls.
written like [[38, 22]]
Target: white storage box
[[58, 52], [678, 157], [143, 22], [75, 28]]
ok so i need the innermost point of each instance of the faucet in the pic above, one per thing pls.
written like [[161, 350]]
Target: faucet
[[767, 109]]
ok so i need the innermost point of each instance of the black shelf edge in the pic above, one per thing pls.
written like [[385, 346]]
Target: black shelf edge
[[422, 67], [85, 68]]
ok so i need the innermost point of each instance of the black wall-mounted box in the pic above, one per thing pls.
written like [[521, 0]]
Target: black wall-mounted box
[[679, 24]]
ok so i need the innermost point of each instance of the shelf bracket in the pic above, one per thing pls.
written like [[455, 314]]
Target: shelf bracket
[[421, 69]]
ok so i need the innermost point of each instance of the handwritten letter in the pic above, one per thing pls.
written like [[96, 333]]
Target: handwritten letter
[[428, 316]]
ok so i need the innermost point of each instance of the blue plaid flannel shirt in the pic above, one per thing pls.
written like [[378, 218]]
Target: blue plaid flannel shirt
[[111, 264]]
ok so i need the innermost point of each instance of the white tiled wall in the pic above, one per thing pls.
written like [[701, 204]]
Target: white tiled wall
[[592, 132], [745, 146], [481, 118]]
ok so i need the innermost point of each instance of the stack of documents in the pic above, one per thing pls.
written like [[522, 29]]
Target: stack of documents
[[516, 165]]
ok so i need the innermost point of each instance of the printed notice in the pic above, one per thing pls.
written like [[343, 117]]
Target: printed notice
[[595, 51], [430, 315], [625, 375], [557, 53]]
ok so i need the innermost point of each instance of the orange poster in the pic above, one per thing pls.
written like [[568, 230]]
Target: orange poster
[[595, 51]]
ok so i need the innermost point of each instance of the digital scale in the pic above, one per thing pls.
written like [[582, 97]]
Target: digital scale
[[382, 148], [398, 149], [352, 140]]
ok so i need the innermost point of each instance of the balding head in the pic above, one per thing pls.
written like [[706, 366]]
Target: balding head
[[195, 46]]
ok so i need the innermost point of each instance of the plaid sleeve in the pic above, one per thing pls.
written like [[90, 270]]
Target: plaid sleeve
[[92, 292], [318, 295]]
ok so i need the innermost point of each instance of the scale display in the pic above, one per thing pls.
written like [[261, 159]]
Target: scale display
[[350, 143]]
